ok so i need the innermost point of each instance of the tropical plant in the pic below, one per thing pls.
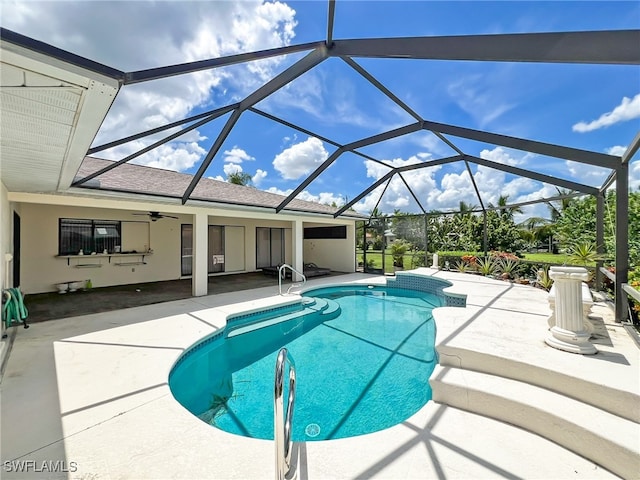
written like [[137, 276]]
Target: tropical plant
[[543, 279], [557, 207], [506, 212], [537, 231], [461, 266], [577, 224], [470, 259], [418, 260], [502, 232], [583, 253], [239, 178], [398, 249], [486, 266], [507, 267]]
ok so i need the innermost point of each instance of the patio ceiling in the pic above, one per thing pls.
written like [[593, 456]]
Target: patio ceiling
[[51, 112]]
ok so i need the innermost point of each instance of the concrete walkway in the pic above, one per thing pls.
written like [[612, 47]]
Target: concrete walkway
[[89, 395]]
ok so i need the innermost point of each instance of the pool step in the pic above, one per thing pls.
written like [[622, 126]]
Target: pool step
[[331, 311], [310, 306], [607, 439]]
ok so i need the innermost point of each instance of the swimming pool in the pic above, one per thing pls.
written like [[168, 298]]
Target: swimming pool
[[363, 357]]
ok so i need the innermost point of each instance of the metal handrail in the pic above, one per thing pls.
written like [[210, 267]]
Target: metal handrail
[[282, 274], [282, 423]]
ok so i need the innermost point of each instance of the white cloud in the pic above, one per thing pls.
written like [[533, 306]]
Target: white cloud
[[587, 174], [237, 155], [500, 155], [125, 35], [628, 109], [258, 177], [300, 159], [452, 188], [479, 97], [277, 191], [230, 168], [326, 198], [616, 150], [177, 156], [397, 196]]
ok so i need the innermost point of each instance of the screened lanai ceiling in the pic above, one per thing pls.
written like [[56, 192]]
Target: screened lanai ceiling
[[415, 120]]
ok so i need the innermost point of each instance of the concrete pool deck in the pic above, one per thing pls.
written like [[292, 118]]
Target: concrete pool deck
[[91, 393]]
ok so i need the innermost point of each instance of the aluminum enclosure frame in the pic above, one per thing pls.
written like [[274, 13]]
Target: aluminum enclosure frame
[[607, 47]]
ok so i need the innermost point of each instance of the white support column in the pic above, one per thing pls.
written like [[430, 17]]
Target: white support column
[[297, 247], [199, 278], [568, 333]]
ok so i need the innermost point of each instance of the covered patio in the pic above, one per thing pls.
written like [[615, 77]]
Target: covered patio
[[51, 306]]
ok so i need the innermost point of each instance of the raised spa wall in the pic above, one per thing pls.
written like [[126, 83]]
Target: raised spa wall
[[425, 283]]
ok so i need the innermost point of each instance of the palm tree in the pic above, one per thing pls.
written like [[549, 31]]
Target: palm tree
[[506, 212], [376, 213], [536, 230], [558, 206], [466, 209], [239, 178]]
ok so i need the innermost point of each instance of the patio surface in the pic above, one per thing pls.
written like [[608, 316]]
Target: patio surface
[[91, 391], [52, 305]]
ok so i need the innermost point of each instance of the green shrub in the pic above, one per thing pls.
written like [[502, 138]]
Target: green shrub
[[486, 266], [398, 249]]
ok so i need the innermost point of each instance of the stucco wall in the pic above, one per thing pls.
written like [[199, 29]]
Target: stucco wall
[[336, 254], [41, 269]]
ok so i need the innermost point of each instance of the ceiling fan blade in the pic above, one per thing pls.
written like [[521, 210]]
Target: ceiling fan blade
[[155, 215]]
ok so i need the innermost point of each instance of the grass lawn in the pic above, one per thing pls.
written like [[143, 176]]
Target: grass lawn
[[557, 258], [374, 258]]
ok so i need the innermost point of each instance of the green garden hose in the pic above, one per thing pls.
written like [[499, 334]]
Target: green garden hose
[[14, 310]]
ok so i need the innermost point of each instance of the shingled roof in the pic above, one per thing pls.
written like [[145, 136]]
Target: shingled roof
[[138, 179]]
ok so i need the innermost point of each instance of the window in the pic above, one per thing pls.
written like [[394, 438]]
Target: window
[[339, 231], [77, 234]]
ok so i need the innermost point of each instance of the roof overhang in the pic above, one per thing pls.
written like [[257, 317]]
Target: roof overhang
[[51, 112]]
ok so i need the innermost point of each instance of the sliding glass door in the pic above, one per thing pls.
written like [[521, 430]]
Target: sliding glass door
[[269, 246], [215, 251]]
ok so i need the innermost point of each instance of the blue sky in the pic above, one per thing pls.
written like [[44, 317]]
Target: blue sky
[[583, 106]]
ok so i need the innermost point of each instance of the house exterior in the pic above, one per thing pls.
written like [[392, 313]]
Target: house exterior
[[53, 232], [122, 244]]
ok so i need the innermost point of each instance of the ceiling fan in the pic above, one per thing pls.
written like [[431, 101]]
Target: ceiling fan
[[155, 216]]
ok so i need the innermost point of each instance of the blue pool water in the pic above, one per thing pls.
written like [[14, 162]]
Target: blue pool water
[[363, 359]]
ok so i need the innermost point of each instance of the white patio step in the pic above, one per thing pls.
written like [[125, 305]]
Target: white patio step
[[607, 439], [624, 403]]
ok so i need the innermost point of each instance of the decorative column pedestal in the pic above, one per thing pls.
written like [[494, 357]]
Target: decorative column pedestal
[[435, 262], [569, 333]]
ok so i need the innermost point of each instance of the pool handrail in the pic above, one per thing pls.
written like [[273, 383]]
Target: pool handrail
[[282, 274], [282, 423]]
